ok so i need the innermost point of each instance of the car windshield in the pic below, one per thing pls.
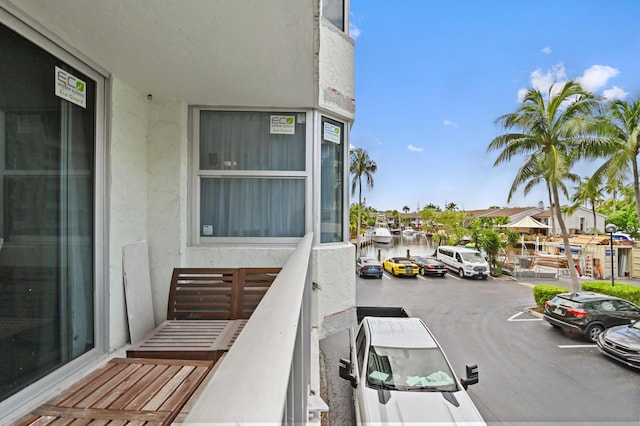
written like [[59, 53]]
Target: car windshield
[[420, 369], [472, 257]]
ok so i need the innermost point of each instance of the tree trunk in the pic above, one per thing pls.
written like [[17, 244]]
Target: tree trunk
[[575, 284], [636, 187], [553, 222], [359, 215]]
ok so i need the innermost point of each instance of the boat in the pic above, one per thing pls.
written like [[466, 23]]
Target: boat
[[408, 232], [381, 233]]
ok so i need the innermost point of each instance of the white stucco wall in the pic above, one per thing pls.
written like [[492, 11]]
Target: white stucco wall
[[334, 274], [167, 195], [336, 71], [128, 193]]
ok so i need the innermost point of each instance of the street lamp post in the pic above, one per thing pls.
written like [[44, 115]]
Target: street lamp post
[[610, 229]]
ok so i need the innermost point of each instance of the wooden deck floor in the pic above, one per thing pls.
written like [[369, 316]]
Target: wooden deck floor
[[127, 391]]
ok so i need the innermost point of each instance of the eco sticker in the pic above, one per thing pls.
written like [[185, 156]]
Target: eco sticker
[[331, 133], [70, 88], [282, 125]]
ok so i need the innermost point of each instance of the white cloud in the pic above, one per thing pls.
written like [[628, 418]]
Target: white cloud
[[546, 50], [542, 81], [450, 123], [596, 77], [414, 148], [354, 31], [615, 93], [521, 94]]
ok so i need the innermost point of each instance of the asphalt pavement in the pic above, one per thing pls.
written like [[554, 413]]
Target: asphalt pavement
[[337, 392]]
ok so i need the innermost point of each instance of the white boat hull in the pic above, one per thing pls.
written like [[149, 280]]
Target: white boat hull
[[381, 235]]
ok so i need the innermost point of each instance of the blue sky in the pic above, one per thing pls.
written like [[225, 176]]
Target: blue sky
[[432, 77]]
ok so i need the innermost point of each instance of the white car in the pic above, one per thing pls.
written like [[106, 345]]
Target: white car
[[401, 376]]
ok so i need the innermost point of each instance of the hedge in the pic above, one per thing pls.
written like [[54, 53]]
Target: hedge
[[542, 293], [623, 291]]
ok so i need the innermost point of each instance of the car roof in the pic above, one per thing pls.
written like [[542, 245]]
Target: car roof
[[459, 248], [586, 296], [397, 332], [396, 258]]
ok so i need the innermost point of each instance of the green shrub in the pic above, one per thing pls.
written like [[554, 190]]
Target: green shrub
[[623, 291], [542, 293]]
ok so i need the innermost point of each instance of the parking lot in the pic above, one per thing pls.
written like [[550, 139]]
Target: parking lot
[[529, 372]]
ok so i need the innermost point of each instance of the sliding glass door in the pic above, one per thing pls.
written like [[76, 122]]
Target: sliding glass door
[[47, 181]]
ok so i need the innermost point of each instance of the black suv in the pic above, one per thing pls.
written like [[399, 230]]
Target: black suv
[[588, 313]]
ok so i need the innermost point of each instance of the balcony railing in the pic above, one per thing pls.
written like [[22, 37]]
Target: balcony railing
[[266, 374]]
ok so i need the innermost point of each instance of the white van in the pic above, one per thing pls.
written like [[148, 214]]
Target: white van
[[464, 261]]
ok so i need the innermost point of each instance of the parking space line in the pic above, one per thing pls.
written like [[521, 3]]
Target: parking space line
[[576, 346], [421, 277], [515, 318]]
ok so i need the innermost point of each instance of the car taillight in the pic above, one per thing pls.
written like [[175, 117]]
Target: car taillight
[[548, 303], [431, 267], [578, 313]]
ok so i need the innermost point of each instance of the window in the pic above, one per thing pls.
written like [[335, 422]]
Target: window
[[251, 174], [47, 191], [333, 11], [331, 181]]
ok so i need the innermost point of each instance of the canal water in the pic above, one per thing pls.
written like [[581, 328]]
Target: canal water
[[400, 246]]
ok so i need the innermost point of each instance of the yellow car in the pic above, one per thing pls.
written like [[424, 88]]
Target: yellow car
[[400, 266]]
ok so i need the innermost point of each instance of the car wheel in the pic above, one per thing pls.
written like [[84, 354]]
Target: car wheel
[[393, 272], [593, 331], [461, 273], [443, 274], [484, 277], [422, 272]]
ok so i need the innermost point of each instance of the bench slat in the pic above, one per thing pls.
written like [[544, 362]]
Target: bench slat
[[125, 391]]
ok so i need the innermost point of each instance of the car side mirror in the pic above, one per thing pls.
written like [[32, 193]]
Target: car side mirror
[[472, 376], [344, 368]]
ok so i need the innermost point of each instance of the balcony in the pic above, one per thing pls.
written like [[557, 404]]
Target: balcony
[[265, 376]]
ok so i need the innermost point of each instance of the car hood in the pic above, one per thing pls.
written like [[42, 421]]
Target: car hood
[[624, 335], [411, 407]]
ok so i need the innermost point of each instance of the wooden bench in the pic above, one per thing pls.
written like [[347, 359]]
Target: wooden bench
[[207, 309], [125, 391]]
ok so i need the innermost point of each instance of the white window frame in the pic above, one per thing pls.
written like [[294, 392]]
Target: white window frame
[[195, 238], [345, 13], [346, 181]]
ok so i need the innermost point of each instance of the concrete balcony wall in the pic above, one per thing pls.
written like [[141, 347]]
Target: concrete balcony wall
[[128, 193], [336, 71]]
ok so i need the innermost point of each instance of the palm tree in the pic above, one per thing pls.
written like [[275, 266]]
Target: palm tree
[[587, 191], [531, 174], [361, 166], [451, 207], [623, 124], [406, 209], [552, 131], [613, 186]]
